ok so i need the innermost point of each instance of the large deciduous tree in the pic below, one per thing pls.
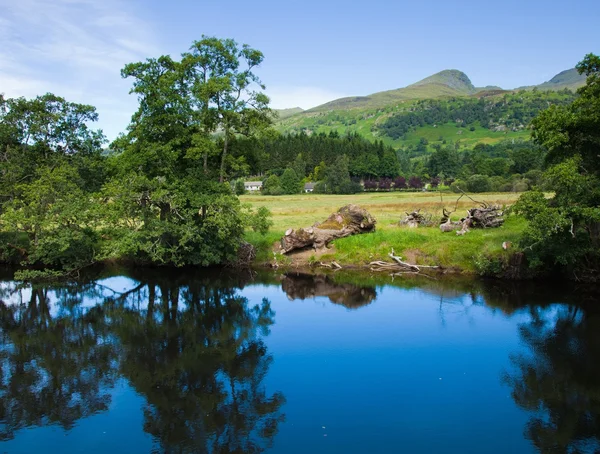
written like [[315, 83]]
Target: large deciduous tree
[[564, 230]]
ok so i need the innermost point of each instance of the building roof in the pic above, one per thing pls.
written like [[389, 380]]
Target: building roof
[[253, 183], [309, 185]]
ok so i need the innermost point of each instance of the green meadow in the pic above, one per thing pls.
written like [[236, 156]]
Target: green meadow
[[424, 245]]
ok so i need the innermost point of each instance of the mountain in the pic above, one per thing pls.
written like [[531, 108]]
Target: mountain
[[285, 113], [445, 106], [570, 79], [447, 83], [451, 78], [450, 82]]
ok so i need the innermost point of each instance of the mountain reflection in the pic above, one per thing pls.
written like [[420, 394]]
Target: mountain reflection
[[559, 380], [303, 286], [193, 348]]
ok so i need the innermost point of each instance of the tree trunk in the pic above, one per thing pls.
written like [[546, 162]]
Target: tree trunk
[[225, 143], [348, 220]]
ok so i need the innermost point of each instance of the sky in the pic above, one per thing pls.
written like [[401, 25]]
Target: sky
[[315, 51]]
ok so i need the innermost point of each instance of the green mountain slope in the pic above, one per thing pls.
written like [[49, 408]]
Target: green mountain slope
[[285, 113], [570, 79], [370, 115], [446, 83]]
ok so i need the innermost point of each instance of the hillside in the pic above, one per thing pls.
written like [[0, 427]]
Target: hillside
[[443, 84], [377, 116], [285, 113], [570, 79]]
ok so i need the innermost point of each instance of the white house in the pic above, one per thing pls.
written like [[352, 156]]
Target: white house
[[253, 185], [309, 187]]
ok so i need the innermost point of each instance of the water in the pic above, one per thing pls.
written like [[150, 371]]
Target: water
[[150, 361]]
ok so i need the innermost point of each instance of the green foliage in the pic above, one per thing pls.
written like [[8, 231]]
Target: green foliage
[[154, 199], [337, 180], [290, 183], [259, 220], [458, 186], [505, 112], [479, 183], [239, 187], [272, 186], [564, 230]]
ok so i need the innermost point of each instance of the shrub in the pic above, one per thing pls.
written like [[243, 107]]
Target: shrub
[[400, 183], [458, 185], [479, 183], [239, 187]]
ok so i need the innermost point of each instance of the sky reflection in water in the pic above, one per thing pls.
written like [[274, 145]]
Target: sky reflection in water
[[154, 362]]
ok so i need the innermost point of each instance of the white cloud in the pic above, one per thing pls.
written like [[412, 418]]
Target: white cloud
[[75, 49], [305, 97]]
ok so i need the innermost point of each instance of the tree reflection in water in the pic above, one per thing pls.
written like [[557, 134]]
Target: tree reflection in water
[[303, 286], [55, 368], [193, 348], [559, 382]]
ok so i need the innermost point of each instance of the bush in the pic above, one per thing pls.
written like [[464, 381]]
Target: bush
[[458, 185], [271, 184], [400, 183], [370, 185], [239, 187], [320, 188], [520, 186], [479, 183], [497, 183]]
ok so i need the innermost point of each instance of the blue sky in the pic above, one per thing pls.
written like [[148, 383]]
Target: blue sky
[[315, 51]]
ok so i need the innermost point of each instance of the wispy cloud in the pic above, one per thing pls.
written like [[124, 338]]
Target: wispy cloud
[[283, 97], [75, 49]]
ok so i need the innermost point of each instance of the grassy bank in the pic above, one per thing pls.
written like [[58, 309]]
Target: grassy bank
[[469, 253]]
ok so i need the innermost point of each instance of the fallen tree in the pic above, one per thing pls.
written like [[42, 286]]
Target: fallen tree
[[348, 220], [484, 217], [416, 219]]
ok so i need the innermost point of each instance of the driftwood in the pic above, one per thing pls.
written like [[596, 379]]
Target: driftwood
[[416, 219], [398, 266], [348, 220], [483, 217]]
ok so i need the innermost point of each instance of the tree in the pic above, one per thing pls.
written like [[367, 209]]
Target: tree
[[388, 165], [299, 166], [210, 89], [320, 172], [564, 230], [272, 186], [479, 183], [50, 165], [239, 187], [290, 183], [338, 178], [415, 182]]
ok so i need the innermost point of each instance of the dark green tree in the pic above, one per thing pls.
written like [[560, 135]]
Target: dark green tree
[[290, 183], [564, 230]]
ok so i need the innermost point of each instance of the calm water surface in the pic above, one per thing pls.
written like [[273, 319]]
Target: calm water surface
[[150, 361]]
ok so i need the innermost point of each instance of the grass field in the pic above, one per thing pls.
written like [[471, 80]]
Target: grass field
[[423, 245]]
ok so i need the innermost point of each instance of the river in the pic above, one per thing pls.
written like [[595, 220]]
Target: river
[[153, 361]]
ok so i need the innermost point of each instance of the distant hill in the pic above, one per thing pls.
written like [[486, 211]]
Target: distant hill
[[285, 113], [570, 79], [450, 82], [451, 78], [371, 116]]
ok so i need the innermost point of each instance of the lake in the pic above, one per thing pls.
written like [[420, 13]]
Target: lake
[[154, 361]]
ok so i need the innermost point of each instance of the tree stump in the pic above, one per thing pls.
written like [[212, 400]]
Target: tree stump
[[348, 220]]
